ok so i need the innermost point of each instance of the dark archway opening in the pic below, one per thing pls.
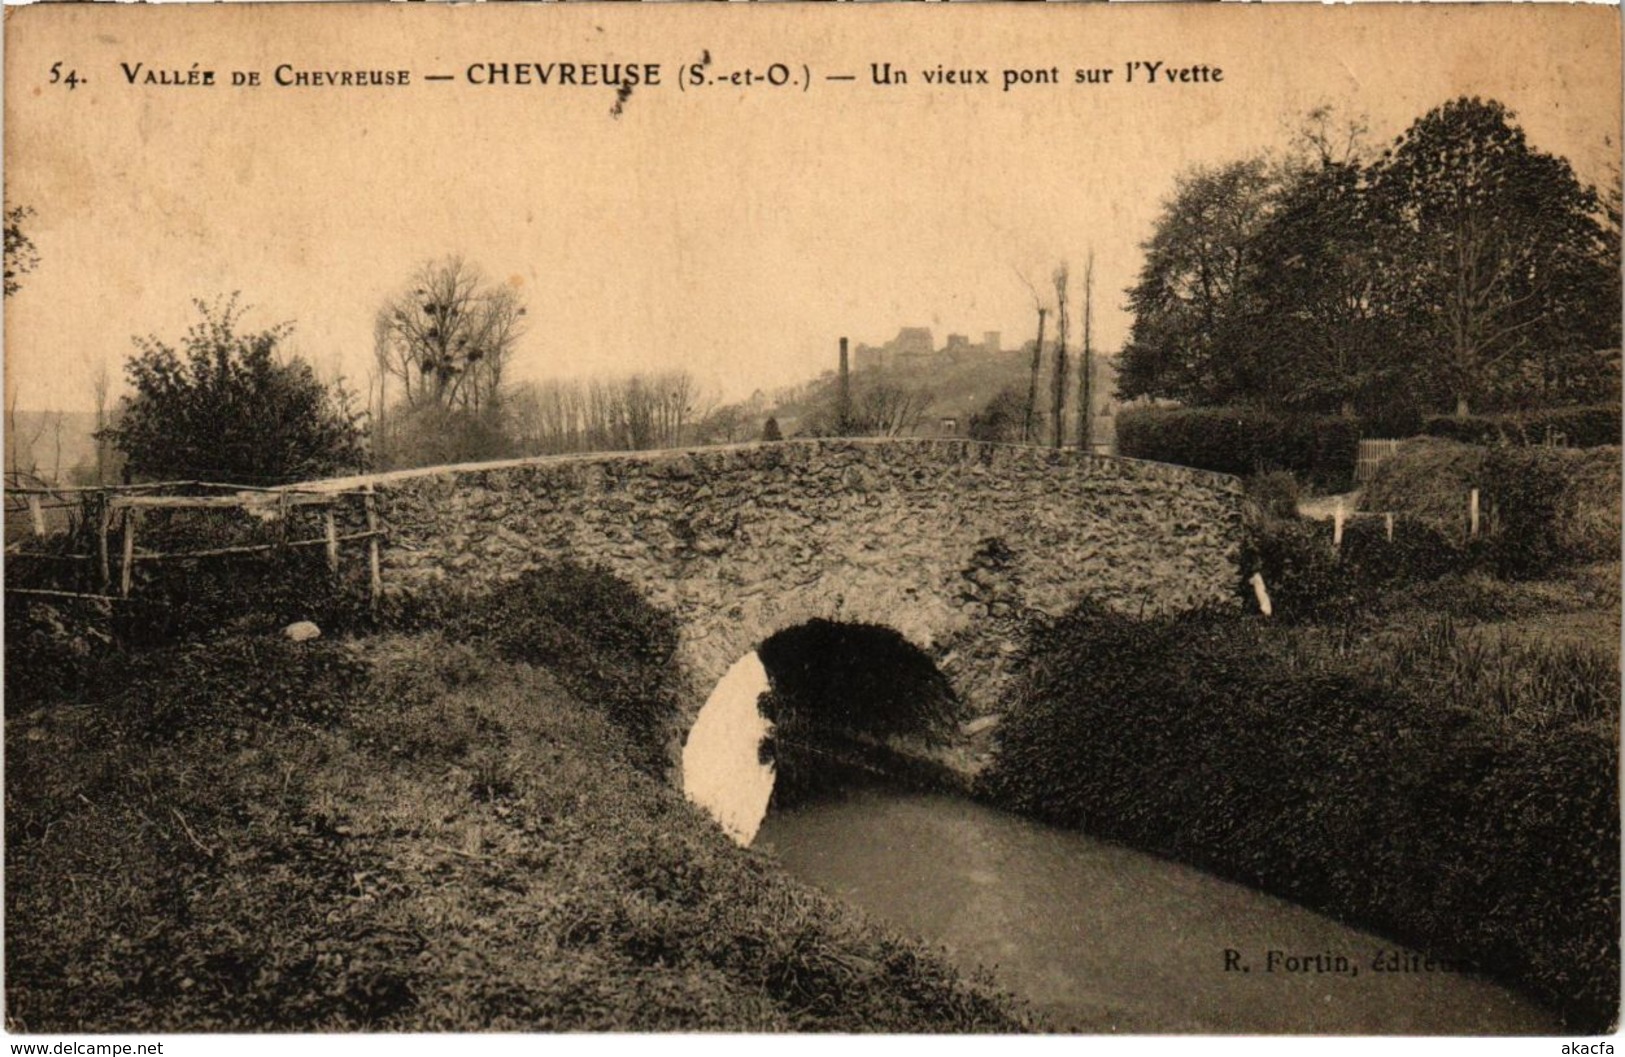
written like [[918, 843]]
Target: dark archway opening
[[839, 695]]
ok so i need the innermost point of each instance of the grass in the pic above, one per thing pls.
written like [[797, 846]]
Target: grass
[[1537, 654], [449, 843]]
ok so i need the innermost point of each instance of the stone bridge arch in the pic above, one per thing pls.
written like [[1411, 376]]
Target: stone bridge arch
[[960, 546]]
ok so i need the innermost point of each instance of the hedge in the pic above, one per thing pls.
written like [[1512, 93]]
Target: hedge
[[1472, 834], [1309, 579], [1541, 507], [1587, 426], [1317, 449]]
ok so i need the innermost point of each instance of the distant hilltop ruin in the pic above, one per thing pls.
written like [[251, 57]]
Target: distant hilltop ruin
[[915, 347]]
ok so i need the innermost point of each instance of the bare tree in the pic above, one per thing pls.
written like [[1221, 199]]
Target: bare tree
[[1086, 369], [1027, 425], [890, 410], [1062, 278], [449, 337], [56, 440], [725, 425], [605, 414], [100, 385], [20, 454], [378, 379]]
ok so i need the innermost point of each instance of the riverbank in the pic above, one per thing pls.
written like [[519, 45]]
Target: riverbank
[[404, 834]]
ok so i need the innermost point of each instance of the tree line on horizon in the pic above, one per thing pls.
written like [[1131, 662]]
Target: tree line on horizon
[[1461, 269]]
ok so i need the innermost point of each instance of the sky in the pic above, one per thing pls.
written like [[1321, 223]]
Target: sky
[[735, 231]]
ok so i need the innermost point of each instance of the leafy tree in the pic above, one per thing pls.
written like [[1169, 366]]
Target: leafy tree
[[1494, 251], [21, 256], [770, 430], [224, 407], [1316, 317], [1002, 419], [1461, 267], [1192, 291]]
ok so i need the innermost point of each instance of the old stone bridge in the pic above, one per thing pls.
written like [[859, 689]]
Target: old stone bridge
[[957, 545]]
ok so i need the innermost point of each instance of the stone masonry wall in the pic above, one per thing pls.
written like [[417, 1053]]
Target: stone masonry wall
[[958, 545]]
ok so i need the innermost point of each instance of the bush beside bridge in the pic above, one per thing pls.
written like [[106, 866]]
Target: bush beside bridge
[[1451, 792]]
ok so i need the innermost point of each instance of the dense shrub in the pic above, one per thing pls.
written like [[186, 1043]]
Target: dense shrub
[[597, 633], [1550, 506], [1427, 479], [1318, 449], [1540, 507], [1587, 426], [1307, 577], [246, 595], [232, 406], [1301, 571], [1418, 552], [242, 591], [1272, 495], [1459, 827]]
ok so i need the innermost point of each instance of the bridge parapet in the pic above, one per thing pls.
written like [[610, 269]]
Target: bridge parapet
[[959, 545]]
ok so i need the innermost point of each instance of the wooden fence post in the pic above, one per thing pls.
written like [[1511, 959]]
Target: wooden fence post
[[373, 564], [332, 543], [127, 570], [102, 520]]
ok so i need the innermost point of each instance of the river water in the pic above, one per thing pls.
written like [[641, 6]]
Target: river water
[[1096, 936], [1102, 938]]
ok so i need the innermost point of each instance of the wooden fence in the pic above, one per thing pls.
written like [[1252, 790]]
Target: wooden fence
[[1370, 455], [105, 511], [1341, 515]]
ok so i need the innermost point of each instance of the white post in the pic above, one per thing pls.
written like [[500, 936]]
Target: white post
[[1337, 523], [1261, 593], [1472, 512], [1388, 526]]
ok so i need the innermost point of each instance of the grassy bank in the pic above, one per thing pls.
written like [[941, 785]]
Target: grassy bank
[[403, 834], [1450, 782]]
